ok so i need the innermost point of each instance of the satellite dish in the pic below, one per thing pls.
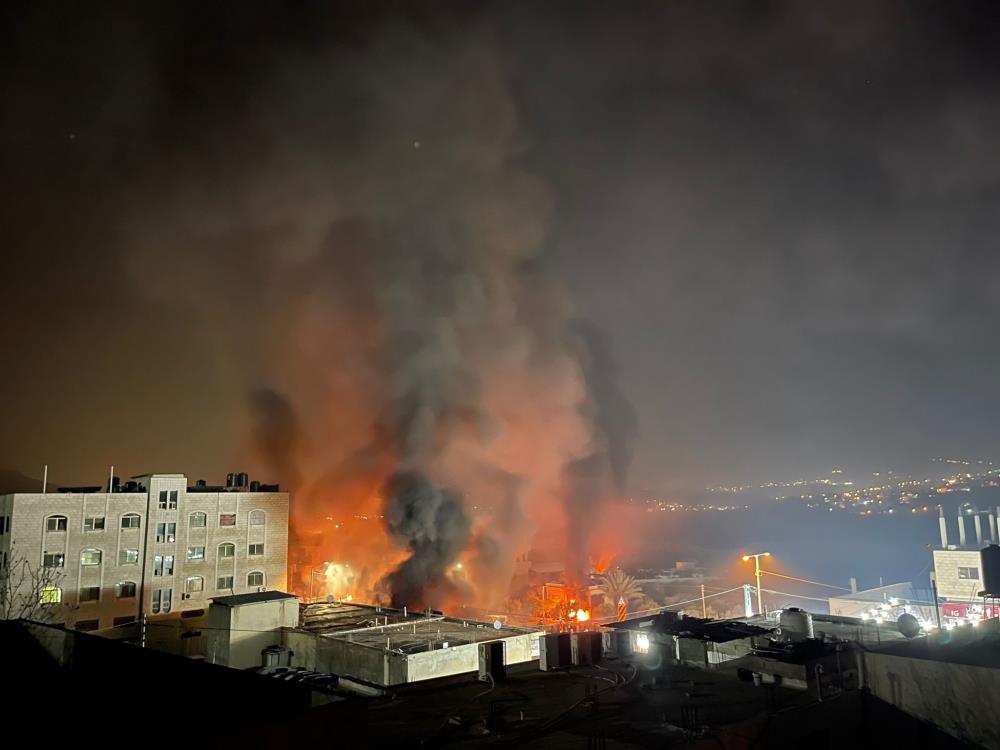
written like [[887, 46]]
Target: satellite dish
[[908, 625], [497, 624]]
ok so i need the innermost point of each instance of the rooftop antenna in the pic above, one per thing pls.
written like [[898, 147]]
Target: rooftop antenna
[[45, 478]]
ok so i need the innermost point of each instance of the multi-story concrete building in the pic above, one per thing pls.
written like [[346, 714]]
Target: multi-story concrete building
[[957, 568], [147, 548]]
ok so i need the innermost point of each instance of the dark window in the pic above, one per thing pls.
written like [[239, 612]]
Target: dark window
[[227, 519], [90, 593], [166, 532], [163, 499], [55, 523], [157, 594], [172, 501], [53, 560], [255, 579], [224, 583], [95, 523], [256, 549], [195, 584], [197, 520], [227, 550], [87, 625], [130, 521], [968, 574], [167, 596], [125, 590]]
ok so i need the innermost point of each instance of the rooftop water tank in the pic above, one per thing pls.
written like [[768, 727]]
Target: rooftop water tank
[[796, 624]]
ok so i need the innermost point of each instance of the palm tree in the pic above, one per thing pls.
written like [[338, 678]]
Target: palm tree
[[618, 585]]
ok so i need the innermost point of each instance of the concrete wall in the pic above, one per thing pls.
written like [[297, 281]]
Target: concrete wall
[[849, 606], [443, 662], [946, 565], [959, 698], [238, 634]]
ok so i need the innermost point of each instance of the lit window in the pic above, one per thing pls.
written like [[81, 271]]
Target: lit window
[[194, 584], [196, 553], [55, 523], [224, 583], [130, 521], [50, 595], [255, 579], [128, 556], [158, 565], [166, 532], [86, 626], [197, 520], [227, 550], [642, 643], [168, 565], [53, 560], [256, 518], [125, 590], [968, 574], [90, 557], [227, 519], [95, 523], [90, 593], [256, 549]]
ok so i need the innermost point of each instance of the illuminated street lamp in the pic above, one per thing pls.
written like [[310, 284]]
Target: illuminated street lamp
[[313, 572], [756, 572]]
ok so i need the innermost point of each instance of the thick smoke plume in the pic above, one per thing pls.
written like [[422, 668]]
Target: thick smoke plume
[[433, 402]]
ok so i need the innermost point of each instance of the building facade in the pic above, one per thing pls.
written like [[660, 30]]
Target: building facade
[[958, 568], [150, 548]]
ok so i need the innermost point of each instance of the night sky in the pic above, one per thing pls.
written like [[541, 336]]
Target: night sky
[[782, 217]]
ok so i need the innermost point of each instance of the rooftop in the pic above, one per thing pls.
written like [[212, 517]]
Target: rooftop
[[254, 597], [670, 623]]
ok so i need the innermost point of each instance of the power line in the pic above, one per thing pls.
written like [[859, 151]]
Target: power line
[[803, 580]]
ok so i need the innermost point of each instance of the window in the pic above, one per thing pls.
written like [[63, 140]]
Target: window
[[166, 532], [255, 549], [130, 521], [641, 644], [227, 519], [53, 560], [168, 500], [125, 590], [197, 520], [161, 600], [163, 565], [196, 553], [256, 518], [255, 579], [194, 584], [224, 583], [94, 523], [87, 625], [90, 557], [50, 595], [227, 550], [90, 593], [126, 620], [55, 523], [128, 556], [968, 574]]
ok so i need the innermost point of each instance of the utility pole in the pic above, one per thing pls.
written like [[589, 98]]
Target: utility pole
[[756, 572], [704, 611]]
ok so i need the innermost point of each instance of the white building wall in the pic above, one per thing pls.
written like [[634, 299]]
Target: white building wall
[[30, 540]]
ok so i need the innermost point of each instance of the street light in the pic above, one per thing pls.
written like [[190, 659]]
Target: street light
[[756, 572], [313, 572]]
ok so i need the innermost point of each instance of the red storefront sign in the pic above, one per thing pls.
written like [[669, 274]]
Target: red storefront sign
[[965, 611]]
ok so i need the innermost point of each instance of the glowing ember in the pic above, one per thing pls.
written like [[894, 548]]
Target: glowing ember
[[582, 615]]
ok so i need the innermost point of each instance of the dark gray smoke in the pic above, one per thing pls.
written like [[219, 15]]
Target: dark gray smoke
[[599, 478], [432, 524], [277, 435]]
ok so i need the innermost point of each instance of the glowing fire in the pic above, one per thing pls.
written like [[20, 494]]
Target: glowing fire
[[582, 615]]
